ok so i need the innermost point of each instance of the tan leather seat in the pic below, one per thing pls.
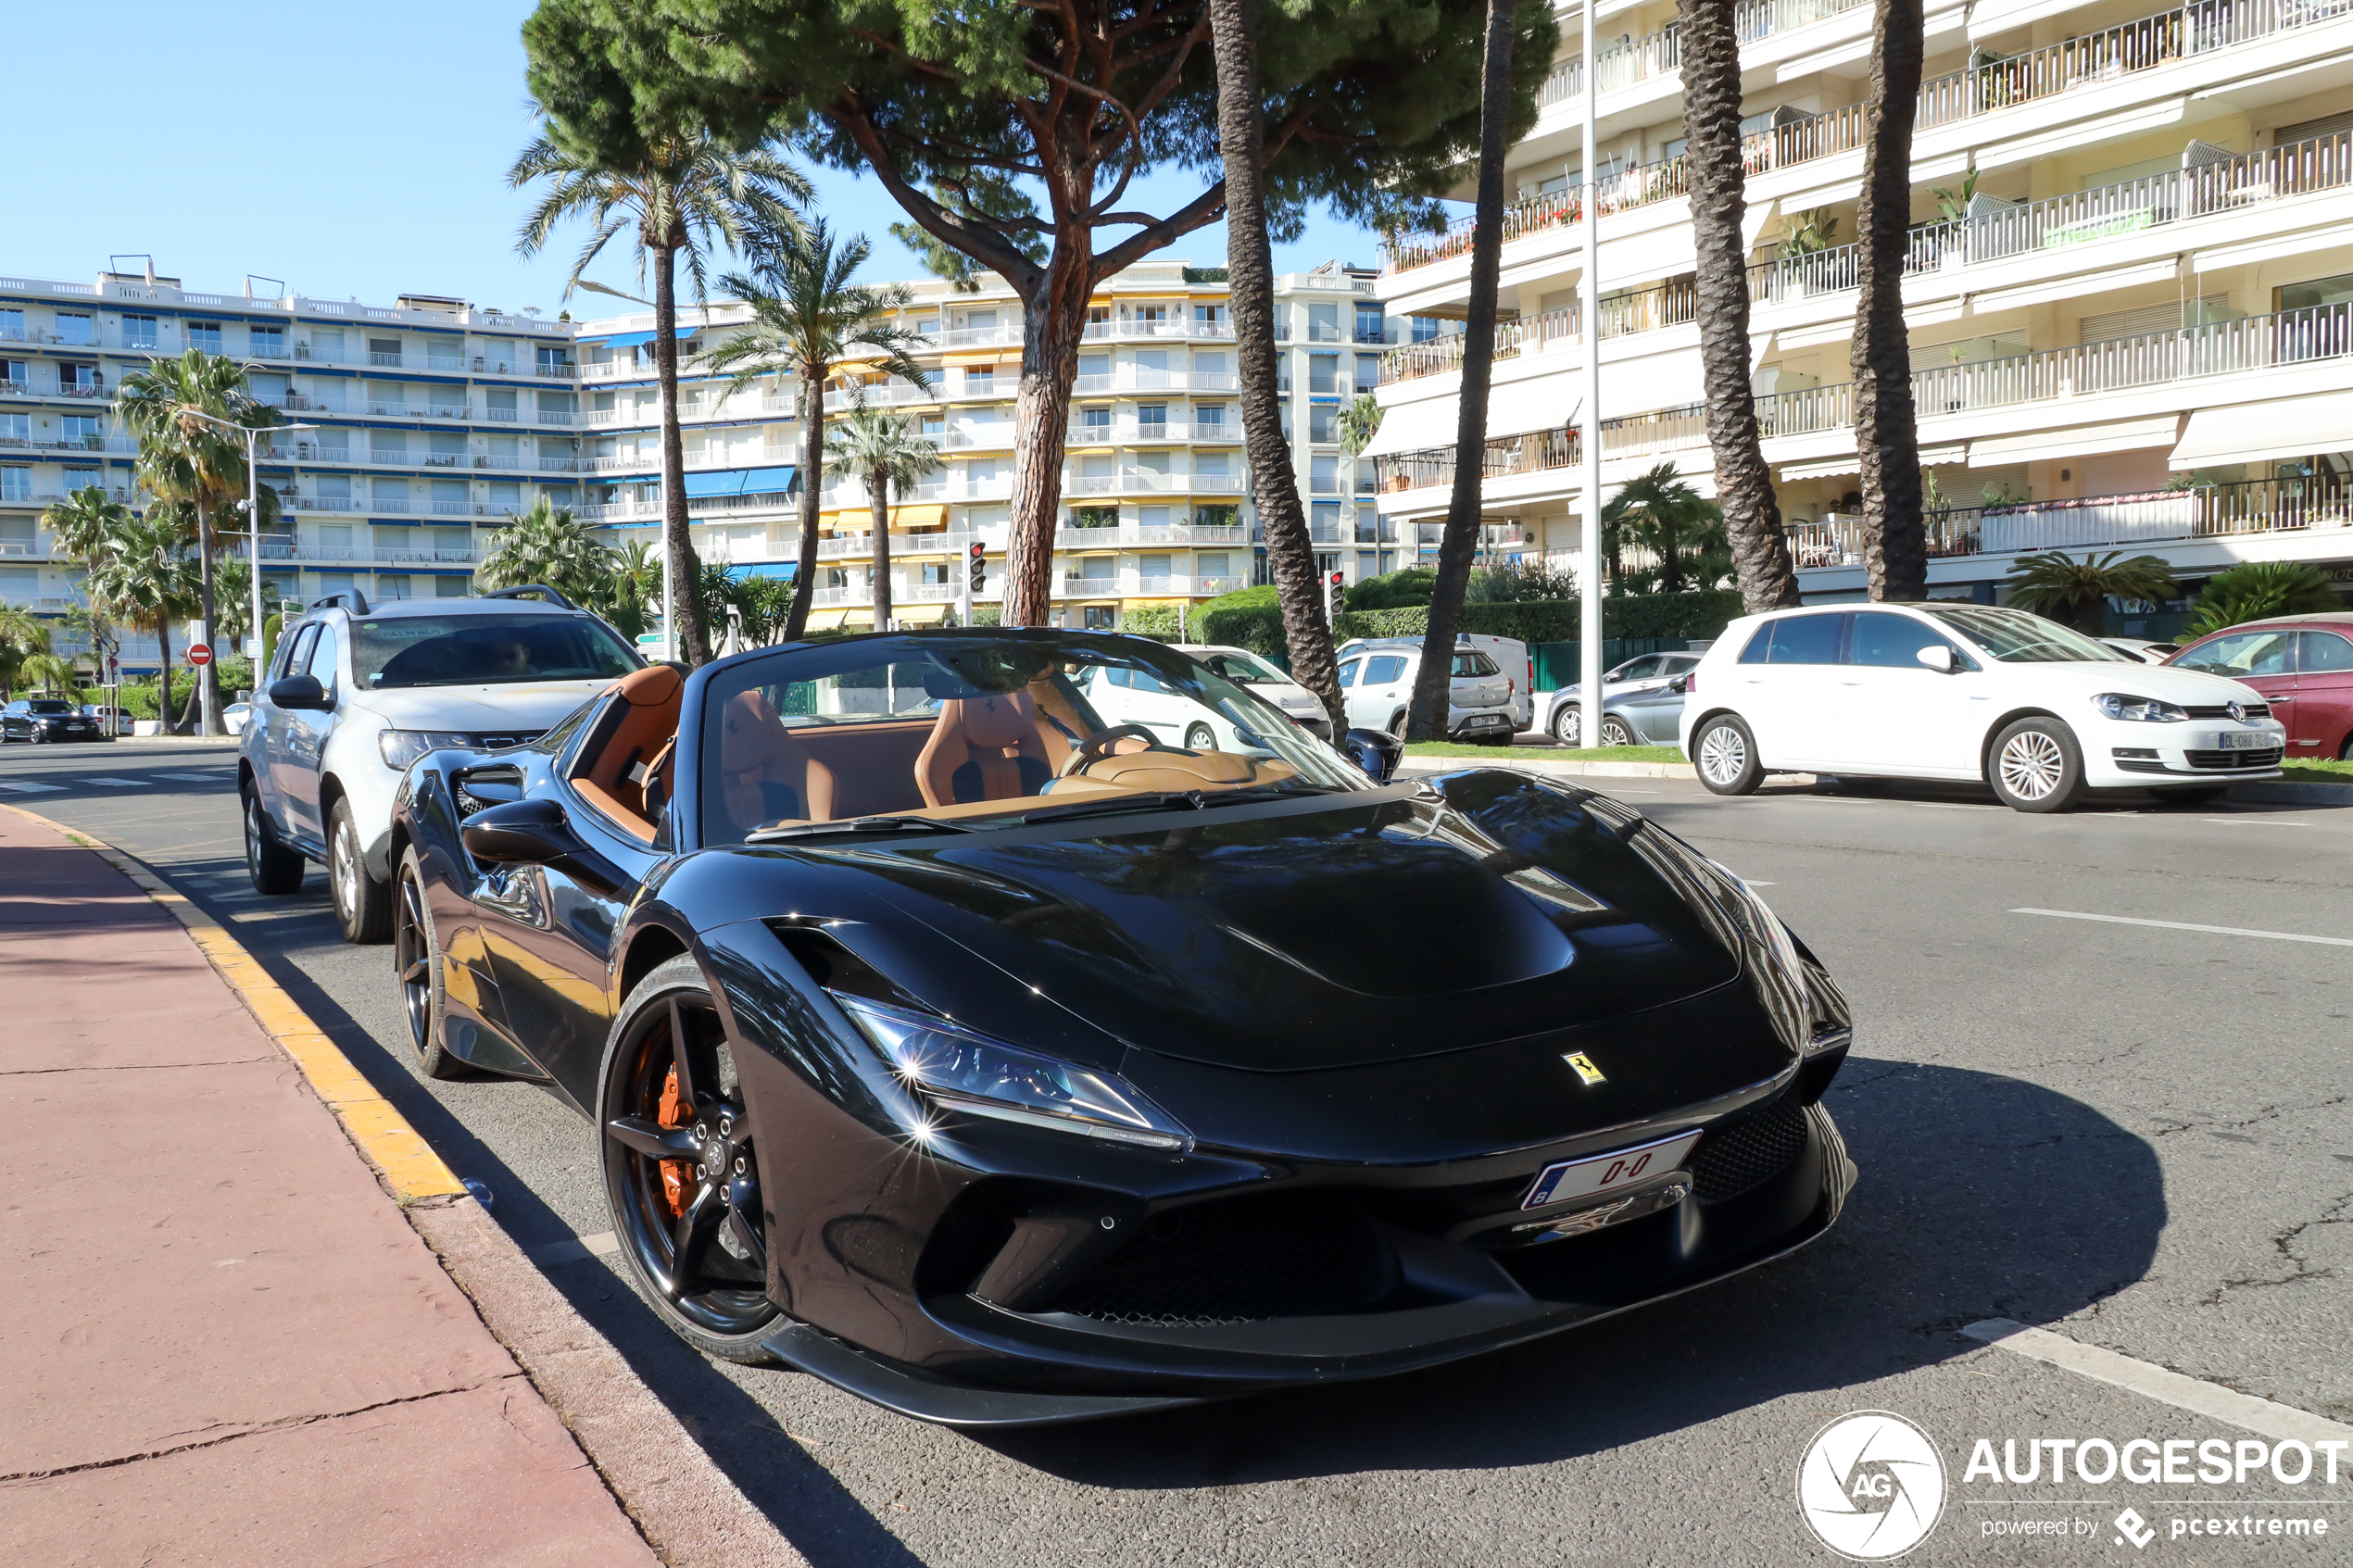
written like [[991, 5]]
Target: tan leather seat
[[639, 732], [765, 775], [985, 747]]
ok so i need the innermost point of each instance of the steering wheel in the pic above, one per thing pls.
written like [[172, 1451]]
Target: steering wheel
[[1096, 747]]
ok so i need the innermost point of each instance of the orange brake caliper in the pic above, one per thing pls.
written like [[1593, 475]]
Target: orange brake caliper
[[671, 1111]]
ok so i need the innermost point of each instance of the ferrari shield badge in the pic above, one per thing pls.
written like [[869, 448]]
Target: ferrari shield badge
[[1586, 1071]]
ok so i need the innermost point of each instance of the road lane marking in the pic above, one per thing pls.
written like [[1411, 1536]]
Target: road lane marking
[[26, 788], [120, 784], [2277, 1421], [572, 1249], [197, 778], [2183, 925], [2256, 823]]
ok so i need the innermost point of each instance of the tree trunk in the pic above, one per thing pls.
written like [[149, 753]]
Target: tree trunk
[[1052, 321], [1433, 682], [1887, 433], [879, 493], [208, 687], [1250, 272], [690, 638], [813, 481], [1712, 129]]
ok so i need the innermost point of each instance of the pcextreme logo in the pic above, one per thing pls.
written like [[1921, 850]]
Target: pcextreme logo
[[1871, 1485]]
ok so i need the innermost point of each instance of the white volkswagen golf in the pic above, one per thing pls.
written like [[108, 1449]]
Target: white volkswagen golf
[[1965, 692]]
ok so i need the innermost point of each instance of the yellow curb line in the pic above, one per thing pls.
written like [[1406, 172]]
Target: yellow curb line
[[406, 1161]]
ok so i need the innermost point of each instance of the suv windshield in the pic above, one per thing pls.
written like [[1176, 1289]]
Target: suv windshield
[[481, 650], [2015, 637], [941, 731]]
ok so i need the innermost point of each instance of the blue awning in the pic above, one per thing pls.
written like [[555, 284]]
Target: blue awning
[[631, 340], [739, 481], [765, 569]]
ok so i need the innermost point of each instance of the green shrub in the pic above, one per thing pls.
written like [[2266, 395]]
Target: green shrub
[[1701, 614], [1160, 621], [1395, 590]]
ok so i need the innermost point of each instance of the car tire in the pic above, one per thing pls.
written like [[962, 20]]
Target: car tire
[[1568, 725], [274, 868], [2200, 794], [641, 1115], [1200, 737], [417, 960], [2034, 765], [1397, 721], [1724, 755], [1617, 732], [363, 905]]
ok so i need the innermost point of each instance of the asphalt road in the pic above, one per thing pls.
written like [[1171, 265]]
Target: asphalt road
[[2135, 1135]]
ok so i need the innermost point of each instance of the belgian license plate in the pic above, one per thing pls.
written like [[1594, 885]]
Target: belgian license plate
[[2241, 740], [1607, 1173]]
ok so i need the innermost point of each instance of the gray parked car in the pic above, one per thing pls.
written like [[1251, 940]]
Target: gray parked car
[[1640, 704]]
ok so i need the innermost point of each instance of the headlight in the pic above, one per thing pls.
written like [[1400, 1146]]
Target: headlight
[[2122, 705], [402, 748], [961, 1071]]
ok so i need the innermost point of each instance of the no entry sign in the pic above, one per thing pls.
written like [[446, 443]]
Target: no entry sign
[[200, 653]]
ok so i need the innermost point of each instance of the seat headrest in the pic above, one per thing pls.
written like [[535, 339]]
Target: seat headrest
[[657, 685], [997, 723], [750, 734]]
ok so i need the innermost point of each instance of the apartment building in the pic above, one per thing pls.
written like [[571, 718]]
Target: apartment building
[[1156, 505], [435, 421], [2130, 286]]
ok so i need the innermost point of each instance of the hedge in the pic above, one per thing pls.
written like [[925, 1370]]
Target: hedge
[[1252, 619]]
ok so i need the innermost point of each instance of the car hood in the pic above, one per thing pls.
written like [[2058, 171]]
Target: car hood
[[523, 705], [2186, 688], [1327, 932], [1289, 696]]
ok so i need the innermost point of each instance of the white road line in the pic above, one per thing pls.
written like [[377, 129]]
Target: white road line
[[2183, 925], [120, 784], [25, 789], [197, 778], [2256, 823], [601, 1244], [2277, 1421]]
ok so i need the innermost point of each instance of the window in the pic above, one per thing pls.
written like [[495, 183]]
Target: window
[[1473, 664], [1348, 674], [1367, 371], [1209, 415], [1323, 475], [82, 430], [2242, 654], [444, 449], [1103, 618], [15, 427], [1095, 421], [499, 402], [332, 490], [12, 371], [1151, 366], [1153, 517], [980, 381], [204, 336], [1796, 639], [16, 485], [1323, 373], [297, 654], [392, 587], [1098, 569], [383, 351], [1155, 568], [388, 494], [12, 324], [2322, 653], [1151, 314], [1323, 322], [1152, 419], [1425, 328], [1369, 325], [1323, 423], [1385, 671], [139, 331], [388, 444], [1212, 563], [1210, 317], [326, 343], [449, 587], [75, 327], [266, 342], [2015, 637], [1893, 641]]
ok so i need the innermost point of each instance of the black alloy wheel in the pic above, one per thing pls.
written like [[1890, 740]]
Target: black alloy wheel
[[416, 958], [682, 1177], [271, 866]]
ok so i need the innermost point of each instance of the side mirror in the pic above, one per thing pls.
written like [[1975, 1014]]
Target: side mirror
[[1937, 656], [1679, 686], [519, 833], [301, 692], [1376, 751]]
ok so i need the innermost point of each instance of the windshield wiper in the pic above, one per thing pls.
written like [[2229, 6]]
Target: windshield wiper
[[1165, 800], [861, 826]]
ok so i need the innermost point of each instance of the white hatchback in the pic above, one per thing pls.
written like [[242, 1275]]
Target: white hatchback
[[1965, 692]]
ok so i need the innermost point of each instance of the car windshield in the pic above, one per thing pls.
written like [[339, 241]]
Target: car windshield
[[49, 706], [1248, 668], [1474, 663], [481, 650], [938, 731], [2015, 637]]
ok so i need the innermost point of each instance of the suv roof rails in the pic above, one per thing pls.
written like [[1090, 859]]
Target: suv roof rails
[[520, 589], [351, 599]]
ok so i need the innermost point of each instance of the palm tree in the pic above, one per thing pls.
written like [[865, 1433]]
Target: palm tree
[[547, 544], [1359, 423], [807, 317], [22, 636], [1886, 428], [80, 522], [689, 191], [1459, 540], [142, 576], [1662, 511], [1250, 273], [626, 596], [2076, 592], [1710, 43], [883, 449], [46, 672], [2259, 589], [177, 409]]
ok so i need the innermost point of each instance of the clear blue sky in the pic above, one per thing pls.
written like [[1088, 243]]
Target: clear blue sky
[[354, 151]]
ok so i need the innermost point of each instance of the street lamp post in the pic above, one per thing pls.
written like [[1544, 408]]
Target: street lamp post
[[253, 522]]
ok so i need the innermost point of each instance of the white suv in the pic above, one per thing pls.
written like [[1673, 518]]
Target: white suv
[[1965, 692], [359, 693]]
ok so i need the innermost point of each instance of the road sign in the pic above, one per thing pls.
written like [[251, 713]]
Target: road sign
[[200, 653]]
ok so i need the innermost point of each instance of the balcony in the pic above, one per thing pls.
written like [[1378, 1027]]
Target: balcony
[[1124, 327], [380, 356]]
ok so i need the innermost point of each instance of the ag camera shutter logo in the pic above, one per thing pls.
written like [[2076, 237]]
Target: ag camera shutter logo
[[1871, 1485]]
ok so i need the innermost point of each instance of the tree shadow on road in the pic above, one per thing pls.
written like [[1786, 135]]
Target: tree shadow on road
[[1981, 1197]]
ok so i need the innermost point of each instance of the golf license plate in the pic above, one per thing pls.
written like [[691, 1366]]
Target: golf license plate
[[2243, 740], [1607, 1173]]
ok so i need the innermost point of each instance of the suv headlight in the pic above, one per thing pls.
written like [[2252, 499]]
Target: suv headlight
[[402, 748], [2123, 705], [957, 1069]]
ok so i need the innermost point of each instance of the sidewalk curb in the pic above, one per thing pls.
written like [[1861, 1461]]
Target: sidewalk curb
[[689, 1513], [2277, 792]]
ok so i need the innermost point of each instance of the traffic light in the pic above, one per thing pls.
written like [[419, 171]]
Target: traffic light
[[979, 567], [1339, 598]]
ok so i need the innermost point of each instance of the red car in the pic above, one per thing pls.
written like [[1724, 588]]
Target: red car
[[2302, 664]]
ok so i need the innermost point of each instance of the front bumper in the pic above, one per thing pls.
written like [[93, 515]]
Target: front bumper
[[2118, 754], [1352, 1279]]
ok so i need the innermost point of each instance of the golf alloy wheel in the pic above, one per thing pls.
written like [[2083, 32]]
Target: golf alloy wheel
[[2034, 766], [1726, 756]]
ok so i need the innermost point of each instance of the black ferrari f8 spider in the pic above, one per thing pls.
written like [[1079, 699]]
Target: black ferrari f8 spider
[[954, 1032]]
